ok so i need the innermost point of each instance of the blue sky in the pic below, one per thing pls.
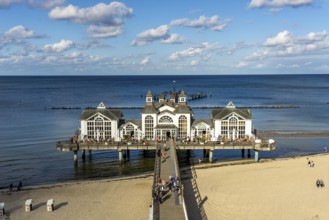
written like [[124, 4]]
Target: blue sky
[[62, 37]]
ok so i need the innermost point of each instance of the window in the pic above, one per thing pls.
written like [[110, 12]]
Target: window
[[182, 126], [233, 128], [108, 130], [242, 129], [90, 129], [100, 125], [201, 129], [149, 127], [165, 119], [129, 130]]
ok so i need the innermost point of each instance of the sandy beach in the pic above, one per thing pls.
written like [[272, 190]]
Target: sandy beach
[[105, 199], [278, 189], [271, 189]]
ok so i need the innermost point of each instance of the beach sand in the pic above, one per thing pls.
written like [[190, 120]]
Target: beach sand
[[272, 189], [278, 189], [104, 199]]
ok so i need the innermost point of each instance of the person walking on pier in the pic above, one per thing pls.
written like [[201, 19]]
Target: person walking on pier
[[163, 153]]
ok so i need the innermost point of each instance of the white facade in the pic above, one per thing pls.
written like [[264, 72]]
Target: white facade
[[100, 125], [130, 130], [166, 119], [233, 123], [170, 118], [203, 131]]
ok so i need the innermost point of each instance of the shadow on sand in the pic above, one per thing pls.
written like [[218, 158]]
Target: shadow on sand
[[193, 199], [60, 205]]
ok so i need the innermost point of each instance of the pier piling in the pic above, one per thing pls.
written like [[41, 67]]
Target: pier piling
[[120, 155], [256, 155], [75, 157], [128, 154], [211, 155]]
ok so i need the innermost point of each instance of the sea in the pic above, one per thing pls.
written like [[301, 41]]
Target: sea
[[30, 127]]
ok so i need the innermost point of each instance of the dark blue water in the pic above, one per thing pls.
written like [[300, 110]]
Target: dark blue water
[[29, 130]]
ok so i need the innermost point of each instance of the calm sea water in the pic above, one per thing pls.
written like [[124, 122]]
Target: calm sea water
[[29, 130]]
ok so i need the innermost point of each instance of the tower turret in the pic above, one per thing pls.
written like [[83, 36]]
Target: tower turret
[[149, 98], [182, 98]]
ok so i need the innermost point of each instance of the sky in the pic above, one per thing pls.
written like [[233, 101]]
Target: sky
[[144, 37]]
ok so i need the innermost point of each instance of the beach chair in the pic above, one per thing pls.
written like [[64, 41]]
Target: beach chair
[[28, 205], [50, 205], [2, 208]]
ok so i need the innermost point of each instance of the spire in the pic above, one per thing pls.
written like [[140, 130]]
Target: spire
[[230, 105], [101, 106], [161, 98], [182, 98], [173, 97], [149, 97]]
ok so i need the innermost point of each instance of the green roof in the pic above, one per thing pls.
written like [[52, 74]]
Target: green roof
[[137, 122], [206, 121], [222, 113], [109, 113], [149, 109]]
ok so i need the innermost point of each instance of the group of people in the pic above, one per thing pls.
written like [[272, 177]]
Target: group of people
[[161, 152], [310, 163], [163, 187], [319, 183], [19, 186]]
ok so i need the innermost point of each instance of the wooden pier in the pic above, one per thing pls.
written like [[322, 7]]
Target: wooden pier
[[172, 204], [124, 147]]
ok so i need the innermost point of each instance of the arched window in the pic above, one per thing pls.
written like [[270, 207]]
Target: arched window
[[233, 128], [165, 119], [129, 130], [99, 125], [232, 123], [182, 126], [149, 127], [202, 131], [108, 130]]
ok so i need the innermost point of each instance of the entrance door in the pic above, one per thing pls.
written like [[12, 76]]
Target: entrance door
[[168, 134]]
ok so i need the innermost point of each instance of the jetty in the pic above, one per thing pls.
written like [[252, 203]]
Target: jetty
[[166, 127], [172, 205], [208, 147]]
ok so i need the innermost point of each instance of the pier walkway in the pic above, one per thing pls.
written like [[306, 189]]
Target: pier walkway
[[172, 206]]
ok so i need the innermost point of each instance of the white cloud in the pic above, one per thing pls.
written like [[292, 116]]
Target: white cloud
[[105, 20], [17, 35], [46, 4], [195, 62], [212, 23], [281, 38], [242, 64], [61, 46], [286, 44], [279, 3], [145, 61], [173, 39], [104, 31], [18, 32], [193, 51], [151, 35], [162, 32], [74, 54]]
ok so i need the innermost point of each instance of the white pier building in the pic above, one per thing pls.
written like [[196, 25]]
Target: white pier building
[[166, 118]]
